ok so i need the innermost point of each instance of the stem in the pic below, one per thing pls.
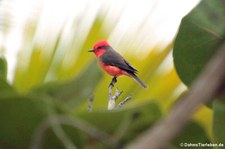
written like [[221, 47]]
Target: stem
[[90, 103]]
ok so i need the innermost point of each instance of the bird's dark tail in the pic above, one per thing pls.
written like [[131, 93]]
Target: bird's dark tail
[[138, 80]]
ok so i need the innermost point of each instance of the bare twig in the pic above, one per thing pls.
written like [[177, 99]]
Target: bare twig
[[111, 103], [113, 98], [204, 89], [90, 103], [123, 102]]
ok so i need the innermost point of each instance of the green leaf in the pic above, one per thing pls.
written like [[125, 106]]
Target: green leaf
[[5, 86], [200, 34], [50, 140], [75, 91], [219, 122], [124, 125], [3, 68], [19, 118], [3, 76]]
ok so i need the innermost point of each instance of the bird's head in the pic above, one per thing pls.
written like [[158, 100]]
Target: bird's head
[[100, 47]]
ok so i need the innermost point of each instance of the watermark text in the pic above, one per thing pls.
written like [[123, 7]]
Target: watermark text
[[191, 145]]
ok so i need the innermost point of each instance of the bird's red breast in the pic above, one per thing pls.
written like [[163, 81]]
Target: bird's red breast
[[113, 70]]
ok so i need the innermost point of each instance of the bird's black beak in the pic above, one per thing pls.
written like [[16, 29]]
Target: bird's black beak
[[91, 50]]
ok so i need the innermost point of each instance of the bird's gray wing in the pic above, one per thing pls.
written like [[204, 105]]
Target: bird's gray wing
[[113, 58]]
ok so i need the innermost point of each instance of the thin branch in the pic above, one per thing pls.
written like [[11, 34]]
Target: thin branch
[[205, 88], [123, 102], [113, 98], [90, 103]]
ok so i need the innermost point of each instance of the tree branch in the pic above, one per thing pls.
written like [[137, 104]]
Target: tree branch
[[123, 102], [203, 90], [113, 98]]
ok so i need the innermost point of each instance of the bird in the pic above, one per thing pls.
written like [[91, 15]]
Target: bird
[[113, 63]]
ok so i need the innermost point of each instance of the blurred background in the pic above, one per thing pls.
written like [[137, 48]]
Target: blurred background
[[47, 40]]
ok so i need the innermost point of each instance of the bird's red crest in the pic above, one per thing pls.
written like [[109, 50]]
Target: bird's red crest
[[101, 43]]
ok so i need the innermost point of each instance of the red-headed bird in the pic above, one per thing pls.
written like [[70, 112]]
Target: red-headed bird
[[113, 63]]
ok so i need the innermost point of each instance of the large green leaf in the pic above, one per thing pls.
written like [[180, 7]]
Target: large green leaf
[[200, 34], [23, 117], [19, 118]]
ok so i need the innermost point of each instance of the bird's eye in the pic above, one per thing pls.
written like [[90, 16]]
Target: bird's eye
[[99, 47]]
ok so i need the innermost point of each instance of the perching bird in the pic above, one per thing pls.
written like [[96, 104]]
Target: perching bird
[[113, 63]]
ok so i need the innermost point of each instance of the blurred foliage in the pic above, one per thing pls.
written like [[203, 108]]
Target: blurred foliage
[[20, 116], [46, 105], [3, 69], [187, 136], [219, 122], [201, 33]]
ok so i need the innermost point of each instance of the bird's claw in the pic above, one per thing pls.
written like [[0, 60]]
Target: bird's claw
[[114, 80]]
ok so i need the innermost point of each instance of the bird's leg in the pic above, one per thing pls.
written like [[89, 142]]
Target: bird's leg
[[114, 80]]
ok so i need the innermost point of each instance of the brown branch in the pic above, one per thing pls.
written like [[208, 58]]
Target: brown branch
[[204, 89]]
